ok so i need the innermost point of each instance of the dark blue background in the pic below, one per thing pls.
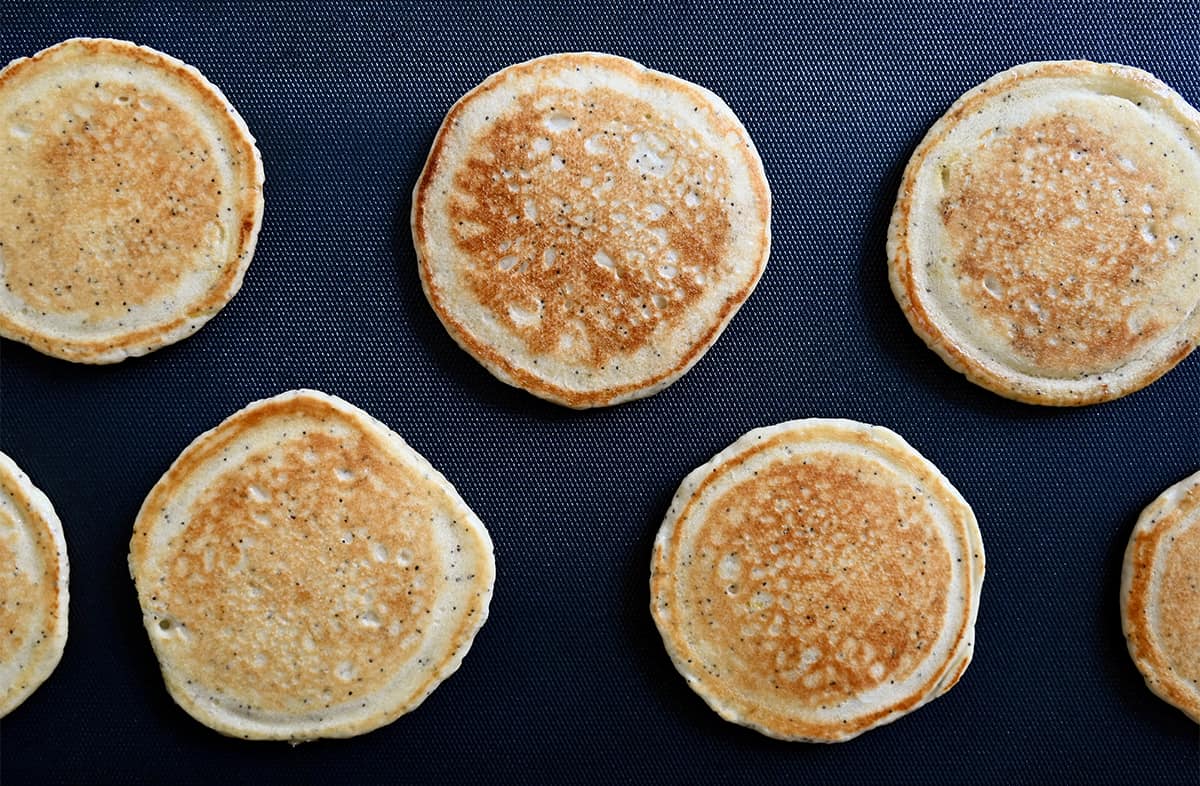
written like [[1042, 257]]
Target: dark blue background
[[568, 680]]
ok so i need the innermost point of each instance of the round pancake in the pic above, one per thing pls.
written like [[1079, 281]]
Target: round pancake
[[816, 579], [130, 200], [586, 227], [33, 587], [303, 573], [1045, 239], [1160, 595]]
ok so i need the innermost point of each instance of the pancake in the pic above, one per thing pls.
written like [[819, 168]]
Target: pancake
[[586, 227], [304, 573], [817, 579], [130, 200], [1160, 595], [1046, 238], [33, 591]]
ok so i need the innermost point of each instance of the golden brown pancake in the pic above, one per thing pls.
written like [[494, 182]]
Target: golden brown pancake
[[1160, 595], [586, 227], [33, 587], [304, 573], [816, 579], [130, 200], [1046, 239]]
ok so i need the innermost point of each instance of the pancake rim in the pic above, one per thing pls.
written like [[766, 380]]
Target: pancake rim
[[33, 503], [730, 706], [520, 375], [385, 708], [1141, 577], [1135, 372], [181, 322]]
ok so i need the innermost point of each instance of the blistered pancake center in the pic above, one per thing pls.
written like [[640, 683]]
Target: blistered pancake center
[[817, 579], [590, 223], [1178, 621], [1072, 238], [109, 196], [304, 579], [18, 590]]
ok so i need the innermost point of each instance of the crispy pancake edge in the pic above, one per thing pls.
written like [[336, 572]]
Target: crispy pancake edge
[[39, 512], [1140, 573]]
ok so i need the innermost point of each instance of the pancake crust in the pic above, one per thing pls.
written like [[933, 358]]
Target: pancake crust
[[816, 579], [1160, 595], [33, 587], [586, 227], [1045, 238], [130, 200], [304, 573]]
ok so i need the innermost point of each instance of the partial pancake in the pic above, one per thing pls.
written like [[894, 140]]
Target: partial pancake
[[33, 587], [1160, 595], [816, 579], [1046, 239], [130, 200], [303, 573], [586, 227]]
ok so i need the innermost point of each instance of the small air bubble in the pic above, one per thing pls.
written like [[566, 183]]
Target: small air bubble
[[559, 123]]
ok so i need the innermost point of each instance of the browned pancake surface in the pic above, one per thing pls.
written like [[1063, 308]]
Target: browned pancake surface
[[1062, 235], [285, 571], [1044, 241], [595, 253], [320, 580], [1179, 606], [33, 587], [130, 200], [586, 227], [64, 251], [816, 579], [821, 578], [1160, 595]]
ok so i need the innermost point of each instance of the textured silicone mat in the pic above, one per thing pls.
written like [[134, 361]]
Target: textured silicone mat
[[568, 680]]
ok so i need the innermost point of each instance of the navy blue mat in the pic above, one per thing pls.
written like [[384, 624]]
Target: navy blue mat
[[568, 680]]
